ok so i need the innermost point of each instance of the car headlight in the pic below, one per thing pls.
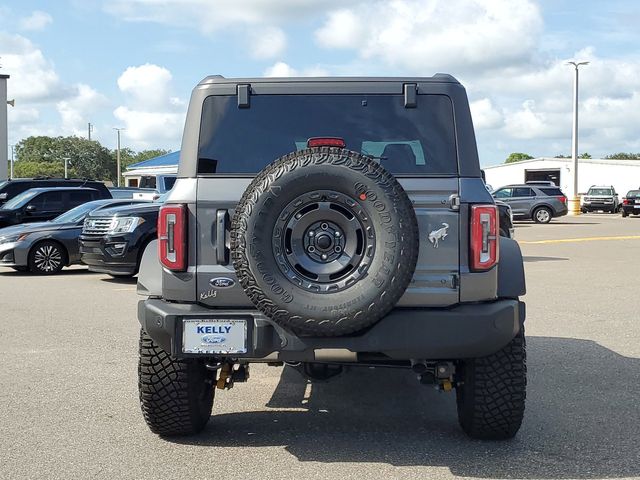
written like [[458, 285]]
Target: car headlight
[[124, 225], [13, 238]]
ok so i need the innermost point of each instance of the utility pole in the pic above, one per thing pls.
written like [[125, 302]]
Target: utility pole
[[574, 199], [118, 156], [13, 151], [89, 130], [4, 142]]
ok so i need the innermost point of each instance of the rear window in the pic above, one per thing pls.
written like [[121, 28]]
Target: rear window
[[553, 192], [405, 140], [633, 193]]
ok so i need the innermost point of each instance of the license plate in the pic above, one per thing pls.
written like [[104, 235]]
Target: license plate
[[636, 206], [214, 336]]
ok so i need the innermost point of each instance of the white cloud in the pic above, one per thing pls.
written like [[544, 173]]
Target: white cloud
[[485, 115], [33, 77], [282, 69], [267, 42], [38, 20], [76, 111], [152, 116], [419, 35]]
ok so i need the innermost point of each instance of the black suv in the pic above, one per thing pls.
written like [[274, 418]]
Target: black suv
[[329, 222], [11, 188], [112, 240], [41, 204]]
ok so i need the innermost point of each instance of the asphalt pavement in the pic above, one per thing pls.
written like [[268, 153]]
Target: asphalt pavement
[[69, 407]]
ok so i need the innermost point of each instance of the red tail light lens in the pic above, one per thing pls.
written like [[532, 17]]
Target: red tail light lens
[[484, 237], [625, 201], [172, 237], [562, 199], [326, 142]]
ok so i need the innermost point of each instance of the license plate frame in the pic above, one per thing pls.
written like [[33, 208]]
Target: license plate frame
[[217, 336]]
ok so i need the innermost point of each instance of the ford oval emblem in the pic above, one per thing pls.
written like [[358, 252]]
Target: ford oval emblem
[[213, 339], [222, 282]]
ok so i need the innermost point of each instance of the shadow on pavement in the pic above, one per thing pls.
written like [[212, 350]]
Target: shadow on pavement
[[9, 272], [543, 259], [121, 280], [582, 419]]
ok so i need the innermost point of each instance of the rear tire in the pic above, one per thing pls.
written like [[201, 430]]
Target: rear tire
[[542, 215], [491, 392], [176, 395]]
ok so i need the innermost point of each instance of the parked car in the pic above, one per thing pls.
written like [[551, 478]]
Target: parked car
[[536, 202], [602, 198], [41, 204], [129, 192], [11, 188], [298, 234], [631, 203], [505, 217], [153, 186], [112, 240], [46, 247]]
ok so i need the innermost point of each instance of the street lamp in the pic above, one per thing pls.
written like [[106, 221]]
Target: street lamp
[[118, 156], [574, 200]]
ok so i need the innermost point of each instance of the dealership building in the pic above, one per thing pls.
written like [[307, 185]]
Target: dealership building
[[624, 175]]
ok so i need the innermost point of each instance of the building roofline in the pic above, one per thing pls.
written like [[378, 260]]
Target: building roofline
[[605, 161]]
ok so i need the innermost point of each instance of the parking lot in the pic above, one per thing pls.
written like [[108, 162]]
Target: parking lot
[[69, 407]]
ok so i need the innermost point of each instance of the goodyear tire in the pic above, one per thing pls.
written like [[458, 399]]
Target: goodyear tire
[[324, 241], [491, 392], [176, 396]]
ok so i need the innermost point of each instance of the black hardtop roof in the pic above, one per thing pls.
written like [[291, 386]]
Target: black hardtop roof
[[57, 179], [437, 78]]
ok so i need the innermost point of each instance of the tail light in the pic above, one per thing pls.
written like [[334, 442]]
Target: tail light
[[326, 142], [625, 201], [484, 237], [172, 239], [562, 199]]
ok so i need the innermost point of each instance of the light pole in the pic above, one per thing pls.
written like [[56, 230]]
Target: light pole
[[66, 167], [574, 200], [118, 157]]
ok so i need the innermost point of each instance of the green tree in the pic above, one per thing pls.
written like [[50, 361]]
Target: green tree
[[516, 157], [584, 155], [45, 156], [623, 156]]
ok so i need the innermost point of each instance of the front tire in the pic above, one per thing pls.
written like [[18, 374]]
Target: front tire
[[47, 258], [176, 395], [491, 392]]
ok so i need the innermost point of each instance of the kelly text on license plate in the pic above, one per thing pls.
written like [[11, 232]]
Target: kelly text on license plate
[[214, 336]]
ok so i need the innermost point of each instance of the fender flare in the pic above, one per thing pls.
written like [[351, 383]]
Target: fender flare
[[511, 280], [150, 273]]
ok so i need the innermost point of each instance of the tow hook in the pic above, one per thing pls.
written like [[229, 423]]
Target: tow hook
[[231, 373]]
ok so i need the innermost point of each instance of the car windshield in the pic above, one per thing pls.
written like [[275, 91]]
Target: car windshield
[[76, 214], [20, 199], [599, 191]]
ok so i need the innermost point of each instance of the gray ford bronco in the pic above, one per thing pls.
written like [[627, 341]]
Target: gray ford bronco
[[324, 223]]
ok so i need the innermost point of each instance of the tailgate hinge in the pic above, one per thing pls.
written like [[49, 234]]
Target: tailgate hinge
[[244, 94]]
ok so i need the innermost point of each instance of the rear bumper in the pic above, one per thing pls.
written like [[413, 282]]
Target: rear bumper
[[465, 331]]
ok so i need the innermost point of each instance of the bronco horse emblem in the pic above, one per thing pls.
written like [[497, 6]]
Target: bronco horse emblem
[[439, 234]]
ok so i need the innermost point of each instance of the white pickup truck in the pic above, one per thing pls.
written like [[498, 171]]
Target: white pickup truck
[[157, 185]]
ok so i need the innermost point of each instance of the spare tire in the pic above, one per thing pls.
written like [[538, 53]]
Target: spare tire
[[324, 241]]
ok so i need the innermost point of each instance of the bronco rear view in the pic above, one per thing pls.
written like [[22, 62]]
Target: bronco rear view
[[324, 223]]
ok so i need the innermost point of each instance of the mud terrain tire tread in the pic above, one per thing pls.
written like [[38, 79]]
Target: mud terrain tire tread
[[491, 399], [176, 395], [399, 278]]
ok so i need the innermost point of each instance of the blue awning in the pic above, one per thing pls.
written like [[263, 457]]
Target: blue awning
[[168, 160]]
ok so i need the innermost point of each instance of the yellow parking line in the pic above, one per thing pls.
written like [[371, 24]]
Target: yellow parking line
[[583, 239]]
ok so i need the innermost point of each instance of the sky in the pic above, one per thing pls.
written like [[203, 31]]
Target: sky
[[132, 63]]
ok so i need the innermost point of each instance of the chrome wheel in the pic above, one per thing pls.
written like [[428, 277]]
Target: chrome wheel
[[47, 258]]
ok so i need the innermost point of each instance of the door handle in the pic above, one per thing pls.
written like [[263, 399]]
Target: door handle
[[222, 237]]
